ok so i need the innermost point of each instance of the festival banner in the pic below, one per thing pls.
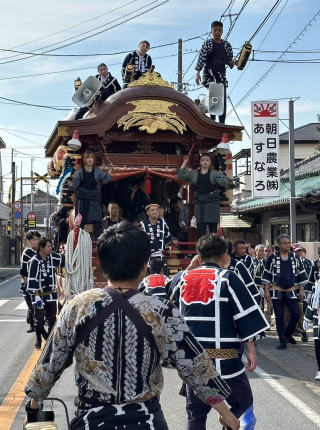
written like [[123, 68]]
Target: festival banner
[[265, 151]]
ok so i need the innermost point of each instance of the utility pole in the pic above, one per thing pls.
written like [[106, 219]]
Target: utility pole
[[293, 229], [48, 214], [21, 201], [32, 187], [180, 87], [13, 198]]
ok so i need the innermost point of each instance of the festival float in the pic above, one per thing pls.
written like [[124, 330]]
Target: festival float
[[145, 131]]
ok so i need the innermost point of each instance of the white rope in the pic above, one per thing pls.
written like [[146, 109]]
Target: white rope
[[48, 425], [78, 265]]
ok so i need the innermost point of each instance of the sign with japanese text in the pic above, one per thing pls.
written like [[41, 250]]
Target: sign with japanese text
[[265, 169]]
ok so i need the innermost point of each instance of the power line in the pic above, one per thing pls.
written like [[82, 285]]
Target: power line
[[43, 54], [270, 70], [274, 7], [259, 46], [236, 19], [228, 7], [20, 131], [95, 34], [238, 117], [74, 26]]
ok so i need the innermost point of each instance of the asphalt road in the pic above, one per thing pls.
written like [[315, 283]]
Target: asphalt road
[[286, 396]]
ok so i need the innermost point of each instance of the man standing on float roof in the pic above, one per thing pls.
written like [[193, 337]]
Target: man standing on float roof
[[214, 56]]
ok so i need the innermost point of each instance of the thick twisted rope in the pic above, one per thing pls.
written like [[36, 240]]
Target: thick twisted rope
[[78, 265]]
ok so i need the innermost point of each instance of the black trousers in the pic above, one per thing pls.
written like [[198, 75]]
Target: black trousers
[[317, 348], [294, 309], [239, 400], [202, 228], [30, 313], [49, 313]]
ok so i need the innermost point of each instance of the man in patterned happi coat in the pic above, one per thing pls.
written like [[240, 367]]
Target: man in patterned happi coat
[[118, 358], [220, 312], [42, 287], [215, 54]]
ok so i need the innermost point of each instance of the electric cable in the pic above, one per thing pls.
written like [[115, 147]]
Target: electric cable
[[99, 32], [20, 131], [270, 70], [236, 19], [74, 26], [274, 7], [241, 76], [238, 117]]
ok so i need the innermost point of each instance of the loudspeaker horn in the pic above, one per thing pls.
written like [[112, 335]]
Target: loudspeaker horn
[[84, 95], [213, 101]]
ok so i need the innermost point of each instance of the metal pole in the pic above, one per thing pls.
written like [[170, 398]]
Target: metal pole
[[47, 220], [293, 228], [21, 201], [180, 65], [32, 187], [13, 197]]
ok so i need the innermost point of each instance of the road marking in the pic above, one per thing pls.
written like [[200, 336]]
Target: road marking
[[293, 400], [23, 305], [2, 302], [11, 404], [12, 321], [9, 279]]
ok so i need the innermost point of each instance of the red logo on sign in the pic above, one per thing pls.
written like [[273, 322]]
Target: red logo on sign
[[31, 216], [265, 110], [198, 286], [156, 281]]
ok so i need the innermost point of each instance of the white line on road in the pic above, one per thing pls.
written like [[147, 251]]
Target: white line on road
[[9, 279], [2, 302], [294, 400], [12, 321], [23, 305]]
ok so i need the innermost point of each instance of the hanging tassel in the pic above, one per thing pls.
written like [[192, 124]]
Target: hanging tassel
[[147, 183]]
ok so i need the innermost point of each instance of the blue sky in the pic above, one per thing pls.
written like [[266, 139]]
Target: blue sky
[[167, 23]]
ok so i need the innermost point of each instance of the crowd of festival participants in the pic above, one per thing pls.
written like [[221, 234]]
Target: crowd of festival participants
[[201, 321]]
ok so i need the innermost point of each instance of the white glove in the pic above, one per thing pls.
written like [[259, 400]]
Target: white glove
[[305, 325], [39, 302]]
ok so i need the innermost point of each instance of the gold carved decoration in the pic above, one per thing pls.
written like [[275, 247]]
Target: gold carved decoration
[[150, 78], [151, 116]]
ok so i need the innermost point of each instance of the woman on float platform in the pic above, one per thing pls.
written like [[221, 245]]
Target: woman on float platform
[[206, 196]]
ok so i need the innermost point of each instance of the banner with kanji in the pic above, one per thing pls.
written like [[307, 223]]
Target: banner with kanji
[[265, 151]]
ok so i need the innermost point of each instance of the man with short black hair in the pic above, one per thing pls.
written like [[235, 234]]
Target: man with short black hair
[[215, 54], [155, 283], [283, 275], [32, 240], [220, 312], [240, 254], [119, 337], [42, 287], [114, 215], [140, 60]]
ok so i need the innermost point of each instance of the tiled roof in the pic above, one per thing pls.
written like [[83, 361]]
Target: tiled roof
[[304, 133], [306, 168], [303, 188]]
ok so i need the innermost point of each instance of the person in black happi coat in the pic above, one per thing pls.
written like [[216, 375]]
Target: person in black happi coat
[[140, 61], [109, 86], [33, 238], [42, 287], [158, 232]]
